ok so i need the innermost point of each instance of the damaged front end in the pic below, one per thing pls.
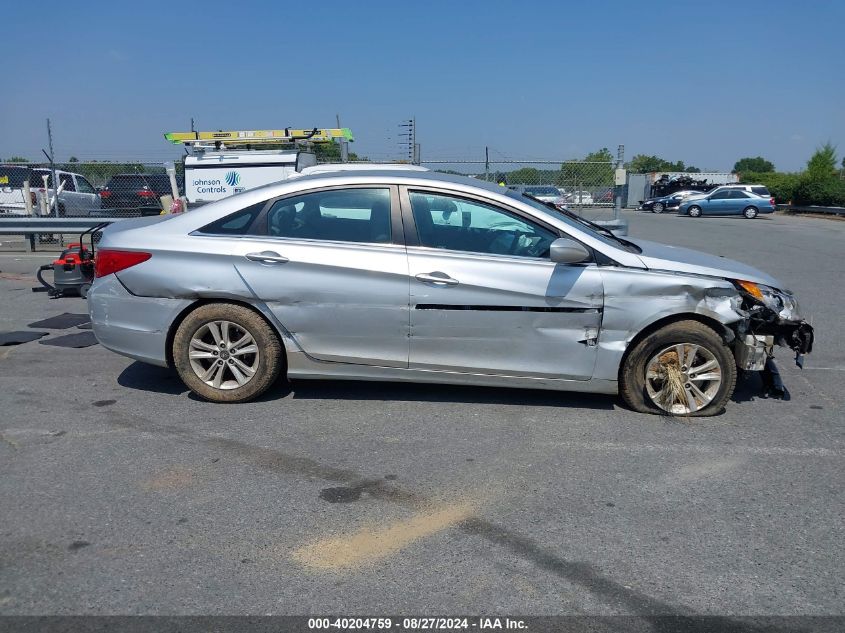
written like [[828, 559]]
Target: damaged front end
[[770, 317]]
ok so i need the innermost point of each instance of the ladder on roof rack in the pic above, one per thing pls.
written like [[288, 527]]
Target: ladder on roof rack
[[260, 137]]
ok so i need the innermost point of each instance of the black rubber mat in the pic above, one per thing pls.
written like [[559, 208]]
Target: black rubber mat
[[62, 321], [80, 339], [16, 338]]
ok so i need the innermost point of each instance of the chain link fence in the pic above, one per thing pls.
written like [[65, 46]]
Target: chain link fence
[[586, 187], [132, 189], [90, 189]]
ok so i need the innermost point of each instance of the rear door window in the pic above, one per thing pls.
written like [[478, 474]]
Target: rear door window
[[67, 180], [340, 215]]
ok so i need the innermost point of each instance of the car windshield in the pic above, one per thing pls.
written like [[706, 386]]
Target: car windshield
[[575, 221]]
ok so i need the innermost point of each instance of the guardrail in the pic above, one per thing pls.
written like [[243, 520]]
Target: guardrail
[[810, 209], [32, 226]]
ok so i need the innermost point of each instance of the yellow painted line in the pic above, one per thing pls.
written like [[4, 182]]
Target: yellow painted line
[[372, 544]]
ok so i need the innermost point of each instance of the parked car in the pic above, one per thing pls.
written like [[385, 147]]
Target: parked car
[[77, 197], [666, 203], [12, 200], [136, 194], [604, 195], [360, 276], [581, 197], [727, 200], [759, 190], [543, 193]]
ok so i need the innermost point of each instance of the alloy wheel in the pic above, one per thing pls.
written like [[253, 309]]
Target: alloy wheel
[[223, 354], [683, 378], [657, 208]]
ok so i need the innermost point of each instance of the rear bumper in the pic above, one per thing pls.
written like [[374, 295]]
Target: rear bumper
[[133, 326]]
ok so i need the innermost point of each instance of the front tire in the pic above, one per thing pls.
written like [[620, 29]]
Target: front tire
[[657, 208], [694, 212], [750, 213], [227, 353], [682, 369]]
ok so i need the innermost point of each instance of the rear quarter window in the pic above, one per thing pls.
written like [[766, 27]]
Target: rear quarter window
[[761, 191], [237, 223]]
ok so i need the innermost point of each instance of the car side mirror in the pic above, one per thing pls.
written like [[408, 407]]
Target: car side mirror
[[566, 251]]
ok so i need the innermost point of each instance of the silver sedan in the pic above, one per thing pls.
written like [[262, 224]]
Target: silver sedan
[[417, 276]]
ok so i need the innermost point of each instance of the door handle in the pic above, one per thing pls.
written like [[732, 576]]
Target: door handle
[[437, 278], [267, 257]]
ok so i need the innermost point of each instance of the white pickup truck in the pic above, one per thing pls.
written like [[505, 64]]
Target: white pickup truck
[[77, 196]]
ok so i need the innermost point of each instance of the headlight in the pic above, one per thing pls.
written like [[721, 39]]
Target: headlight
[[781, 302]]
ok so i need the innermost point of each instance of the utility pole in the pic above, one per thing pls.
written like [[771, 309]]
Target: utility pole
[[344, 145], [411, 143], [52, 167], [486, 164], [619, 175]]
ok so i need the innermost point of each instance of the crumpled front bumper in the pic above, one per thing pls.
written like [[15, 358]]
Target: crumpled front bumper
[[763, 328]]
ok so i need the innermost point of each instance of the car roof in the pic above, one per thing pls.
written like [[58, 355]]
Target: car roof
[[396, 175]]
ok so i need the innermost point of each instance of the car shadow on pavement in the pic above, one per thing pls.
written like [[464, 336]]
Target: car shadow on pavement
[[144, 377]]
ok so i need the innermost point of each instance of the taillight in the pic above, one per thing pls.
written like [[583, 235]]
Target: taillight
[[105, 193], [112, 261], [772, 201], [146, 193], [33, 198]]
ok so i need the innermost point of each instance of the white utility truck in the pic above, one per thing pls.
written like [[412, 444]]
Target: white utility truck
[[221, 164]]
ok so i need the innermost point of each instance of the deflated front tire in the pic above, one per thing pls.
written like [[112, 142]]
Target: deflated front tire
[[683, 369]]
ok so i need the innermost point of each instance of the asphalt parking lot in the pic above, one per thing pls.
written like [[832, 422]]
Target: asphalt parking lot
[[122, 494]]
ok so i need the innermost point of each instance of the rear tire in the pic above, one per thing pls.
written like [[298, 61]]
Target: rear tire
[[644, 382], [694, 211], [750, 213], [227, 353]]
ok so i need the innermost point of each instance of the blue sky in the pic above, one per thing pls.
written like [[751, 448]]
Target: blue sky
[[705, 83]]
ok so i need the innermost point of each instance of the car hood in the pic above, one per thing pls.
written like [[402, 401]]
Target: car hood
[[684, 260]]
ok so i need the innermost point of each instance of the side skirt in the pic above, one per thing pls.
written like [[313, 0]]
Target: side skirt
[[302, 367]]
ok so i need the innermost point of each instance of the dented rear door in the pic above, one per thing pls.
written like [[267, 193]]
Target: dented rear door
[[333, 274]]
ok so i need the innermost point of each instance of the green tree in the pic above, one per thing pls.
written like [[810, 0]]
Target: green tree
[[594, 170], [525, 176], [16, 159], [822, 164], [73, 159], [757, 164], [645, 164], [330, 153], [781, 185]]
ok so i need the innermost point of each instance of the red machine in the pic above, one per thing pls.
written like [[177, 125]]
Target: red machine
[[73, 271]]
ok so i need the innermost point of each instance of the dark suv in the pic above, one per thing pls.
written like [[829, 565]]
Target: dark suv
[[136, 194]]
